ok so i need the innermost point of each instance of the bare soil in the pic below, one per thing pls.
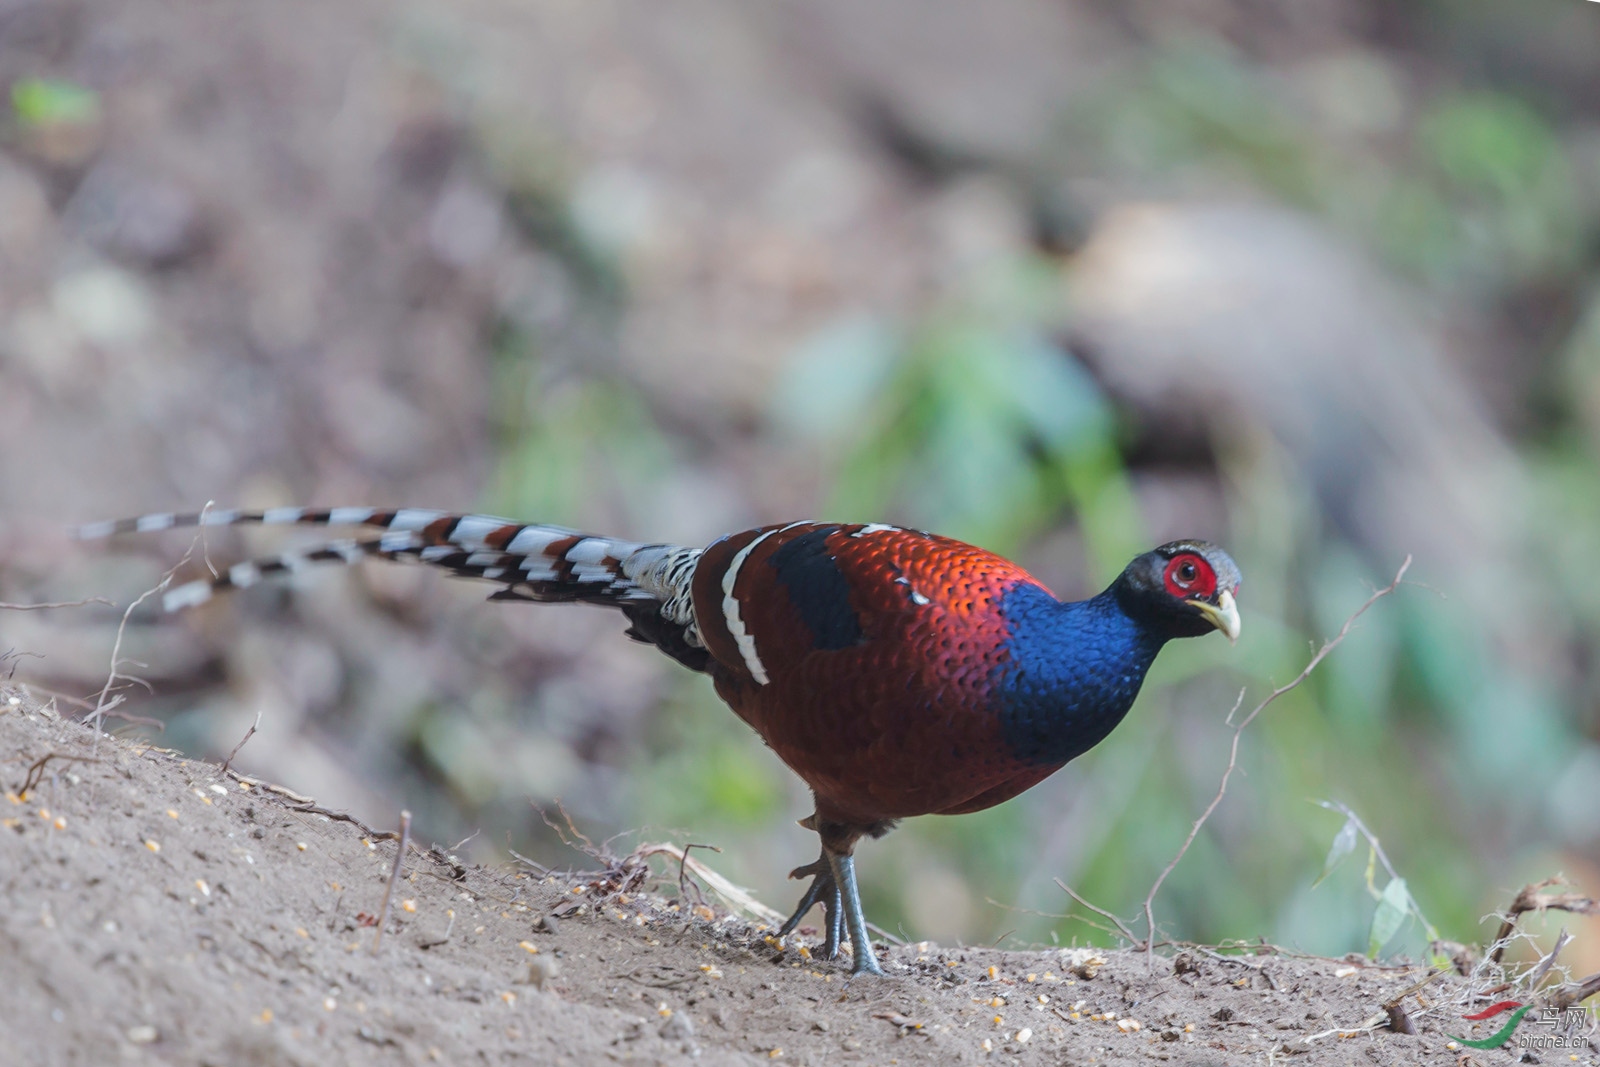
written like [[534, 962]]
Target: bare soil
[[153, 910]]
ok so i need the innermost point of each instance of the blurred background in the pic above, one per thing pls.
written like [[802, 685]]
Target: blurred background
[[1067, 278]]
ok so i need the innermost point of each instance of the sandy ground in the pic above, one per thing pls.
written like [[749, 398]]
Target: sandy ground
[[155, 911]]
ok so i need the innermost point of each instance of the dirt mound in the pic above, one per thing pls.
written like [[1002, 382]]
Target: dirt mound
[[154, 910]]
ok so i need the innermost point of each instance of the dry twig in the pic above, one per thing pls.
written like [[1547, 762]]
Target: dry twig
[[312, 808], [1399, 1019], [8, 606], [1238, 730], [1547, 961], [101, 706], [30, 689], [248, 734], [587, 847], [617, 874], [741, 899], [105, 702], [111, 711], [36, 769], [394, 876], [1565, 996], [1103, 913], [683, 881], [1531, 899], [14, 657]]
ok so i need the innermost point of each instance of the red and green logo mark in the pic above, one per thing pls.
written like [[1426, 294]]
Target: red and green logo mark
[[1565, 1022], [1502, 1035]]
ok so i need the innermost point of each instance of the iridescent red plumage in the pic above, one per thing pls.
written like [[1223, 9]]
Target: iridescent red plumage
[[900, 723]]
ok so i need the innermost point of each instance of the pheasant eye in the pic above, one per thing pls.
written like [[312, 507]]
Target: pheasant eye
[[1189, 576]]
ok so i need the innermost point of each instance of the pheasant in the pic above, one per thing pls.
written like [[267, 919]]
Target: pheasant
[[897, 672]]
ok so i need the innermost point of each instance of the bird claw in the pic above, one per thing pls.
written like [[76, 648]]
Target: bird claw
[[818, 867], [823, 889]]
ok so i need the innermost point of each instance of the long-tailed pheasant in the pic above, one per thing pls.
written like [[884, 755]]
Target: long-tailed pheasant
[[898, 673]]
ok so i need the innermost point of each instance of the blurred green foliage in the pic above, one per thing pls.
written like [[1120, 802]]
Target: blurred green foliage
[[972, 422], [1478, 184], [51, 101]]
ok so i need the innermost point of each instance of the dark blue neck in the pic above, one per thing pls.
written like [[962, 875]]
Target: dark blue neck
[[1071, 673]]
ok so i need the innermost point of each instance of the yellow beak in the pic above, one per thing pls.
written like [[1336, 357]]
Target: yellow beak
[[1224, 614]]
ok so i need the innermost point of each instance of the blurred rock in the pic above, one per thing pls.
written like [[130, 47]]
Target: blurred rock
[[106, 305], [1210, 317], [141, 219], [616, 208]]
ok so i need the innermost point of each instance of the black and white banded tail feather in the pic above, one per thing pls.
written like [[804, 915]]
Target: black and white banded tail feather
[[649, 583]]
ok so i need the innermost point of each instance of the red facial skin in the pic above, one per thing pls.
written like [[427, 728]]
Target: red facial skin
[[1189, 577]]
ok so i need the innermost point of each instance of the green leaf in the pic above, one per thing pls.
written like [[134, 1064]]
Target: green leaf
[[48, 102], [1344, 843], [1491, 141], [1393, 907]]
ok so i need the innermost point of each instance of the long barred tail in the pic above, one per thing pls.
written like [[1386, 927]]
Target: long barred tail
[[649, 582]]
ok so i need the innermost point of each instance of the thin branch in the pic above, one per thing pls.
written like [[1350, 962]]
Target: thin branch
[[587, 847], [1542, 968], [30, 688], [1383, 858], [8, 606], [1085, 920], [684, 881], [1361, 828], [116, 648], [394, 876], [1238, 730], [100, 704], [248, 734], [1564, 997], [1103, 913], [1400, 1020], [739, 898], [36, 770], [15, 657], [1530, 899], [532, 864], [112, 711]]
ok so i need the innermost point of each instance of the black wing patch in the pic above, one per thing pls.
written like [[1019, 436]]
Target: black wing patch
[[818, 589]]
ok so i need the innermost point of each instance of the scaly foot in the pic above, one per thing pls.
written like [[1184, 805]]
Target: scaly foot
[[833, 883]]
